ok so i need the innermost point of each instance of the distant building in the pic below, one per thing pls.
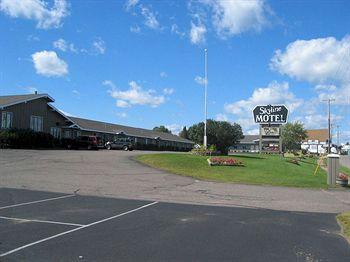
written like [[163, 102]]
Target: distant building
[[316, 141], [248, 144], [35, 111]]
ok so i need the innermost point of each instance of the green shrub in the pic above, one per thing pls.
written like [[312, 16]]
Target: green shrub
[[26, 138]]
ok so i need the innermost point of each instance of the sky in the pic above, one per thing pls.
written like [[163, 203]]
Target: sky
[[141, 63]]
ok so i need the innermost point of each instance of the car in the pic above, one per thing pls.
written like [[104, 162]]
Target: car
[[87, 142], [125, 144]]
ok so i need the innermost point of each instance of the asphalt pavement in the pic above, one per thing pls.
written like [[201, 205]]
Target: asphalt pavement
[[43, 226], [116, 174]]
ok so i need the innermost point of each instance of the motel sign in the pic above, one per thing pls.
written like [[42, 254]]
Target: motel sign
[[270, 114]]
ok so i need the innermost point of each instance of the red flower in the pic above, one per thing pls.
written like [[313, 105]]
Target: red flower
[[342, 176], [225, 161]]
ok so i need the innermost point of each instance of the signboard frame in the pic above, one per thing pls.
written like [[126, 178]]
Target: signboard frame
[[271, 122]]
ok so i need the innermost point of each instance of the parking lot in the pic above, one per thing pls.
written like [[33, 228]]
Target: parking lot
[[114, 173], [42, 226]]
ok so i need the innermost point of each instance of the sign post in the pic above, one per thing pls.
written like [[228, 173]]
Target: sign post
[[270, 118]]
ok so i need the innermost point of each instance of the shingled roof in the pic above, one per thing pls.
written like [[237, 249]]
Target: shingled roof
[[249, 139], [317, 134], [103, 127], [17, 99]]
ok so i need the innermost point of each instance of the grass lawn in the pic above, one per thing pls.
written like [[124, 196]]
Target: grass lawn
[[345, 170], [264, 169], [344, 220]]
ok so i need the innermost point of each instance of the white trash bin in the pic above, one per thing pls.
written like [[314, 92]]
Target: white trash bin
[[333, 168]]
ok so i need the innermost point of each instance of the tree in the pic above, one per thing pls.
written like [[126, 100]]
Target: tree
[[292, 135], [161, 129], [184, 133], [222, 134]]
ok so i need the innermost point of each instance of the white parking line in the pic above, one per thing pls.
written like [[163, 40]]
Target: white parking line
[[37, 201], [75, 229], [41, 221]]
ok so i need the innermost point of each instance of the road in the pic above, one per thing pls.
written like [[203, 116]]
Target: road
[[116, 174]]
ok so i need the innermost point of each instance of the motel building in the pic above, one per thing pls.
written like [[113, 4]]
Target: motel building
[[36, 112], [315, 143]]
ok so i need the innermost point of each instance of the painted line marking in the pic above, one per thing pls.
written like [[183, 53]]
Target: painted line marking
[[42, 221], [37, 201], [76, 229]]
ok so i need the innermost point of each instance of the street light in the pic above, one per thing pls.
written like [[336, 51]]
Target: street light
[[205, 96]]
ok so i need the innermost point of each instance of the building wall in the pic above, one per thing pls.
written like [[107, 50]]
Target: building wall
[[21, 119], [38, 107]]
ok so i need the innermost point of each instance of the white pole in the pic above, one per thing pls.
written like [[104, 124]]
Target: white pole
[[205, 96]]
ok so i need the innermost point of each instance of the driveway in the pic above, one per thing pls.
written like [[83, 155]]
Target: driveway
[[116, 174]]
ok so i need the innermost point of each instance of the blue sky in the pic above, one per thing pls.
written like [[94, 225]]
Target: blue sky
[[141, 63]]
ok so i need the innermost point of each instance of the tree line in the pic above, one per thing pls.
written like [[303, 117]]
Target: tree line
[[223, 134]]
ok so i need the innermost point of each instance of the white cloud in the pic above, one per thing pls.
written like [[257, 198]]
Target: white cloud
[[64, 46], [135, 95], [135, 29], [316, 121], [99, 46], [150, 18], [221, 117], [168, 91], [122, 104], [47, 63], [32, 38], [175, 30], [174, 128], [130, 4], [197, 33], [76, 92], [341, 95], [109, 83], [199, 80], [122, 115], [163, 74], [321, 60], [37, 10], [237, 16]]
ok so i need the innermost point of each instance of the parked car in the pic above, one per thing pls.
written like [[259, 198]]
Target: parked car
[[125, 144], [87, 142]]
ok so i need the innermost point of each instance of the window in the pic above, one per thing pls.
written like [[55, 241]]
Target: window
[[67, 134], [36, 123], [6, 120], [55, 132]]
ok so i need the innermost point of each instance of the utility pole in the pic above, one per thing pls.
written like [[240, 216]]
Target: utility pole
[[329, 100], [205, 96], [338, 136]]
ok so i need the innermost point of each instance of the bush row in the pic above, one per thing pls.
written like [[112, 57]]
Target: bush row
[[26, 138]]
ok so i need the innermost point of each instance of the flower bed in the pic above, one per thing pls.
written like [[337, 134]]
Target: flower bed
[[224, 161], [342, 179]]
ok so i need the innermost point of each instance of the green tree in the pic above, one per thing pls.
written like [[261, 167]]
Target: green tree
[[222, 134], [184, 133], [161, 129], [292, 136]]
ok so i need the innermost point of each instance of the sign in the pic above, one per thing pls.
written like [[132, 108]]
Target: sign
[[270, 114], [270, 131]]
